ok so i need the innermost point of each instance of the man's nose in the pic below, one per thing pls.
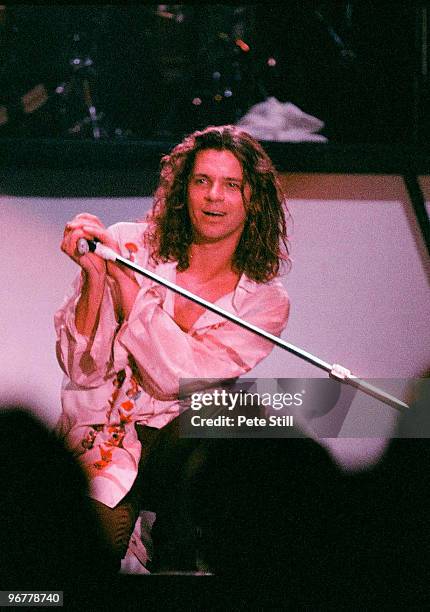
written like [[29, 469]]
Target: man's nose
[[216, 191]]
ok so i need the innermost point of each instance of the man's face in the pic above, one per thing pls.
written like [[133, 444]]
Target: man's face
[[215, 201]]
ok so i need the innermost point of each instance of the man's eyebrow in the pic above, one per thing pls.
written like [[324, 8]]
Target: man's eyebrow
[[226, 178]]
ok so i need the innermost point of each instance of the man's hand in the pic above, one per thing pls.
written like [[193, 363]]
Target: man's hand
[[115, 271], [124, 278], [93, 265]]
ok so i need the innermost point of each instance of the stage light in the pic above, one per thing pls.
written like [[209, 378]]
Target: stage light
[[218, 97], [271, 61], [216, 75], [228, 93], [197, 101], [242, 45]]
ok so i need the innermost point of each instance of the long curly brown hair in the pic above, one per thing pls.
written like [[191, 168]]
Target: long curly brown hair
[[263, 245]]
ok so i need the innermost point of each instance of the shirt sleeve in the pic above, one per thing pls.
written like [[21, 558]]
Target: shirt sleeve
[[85, 361], [165, 354], [89, 362]]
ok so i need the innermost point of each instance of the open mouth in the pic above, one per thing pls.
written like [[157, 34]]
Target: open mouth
[[213, 213]]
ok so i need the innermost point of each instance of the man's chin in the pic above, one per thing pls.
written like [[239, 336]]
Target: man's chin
[[210, 239], [214, 236]]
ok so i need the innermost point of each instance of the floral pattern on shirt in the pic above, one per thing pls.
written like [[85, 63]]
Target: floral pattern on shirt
[[132, 249], [114, 431]]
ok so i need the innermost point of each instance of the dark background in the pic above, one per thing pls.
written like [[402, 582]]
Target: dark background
[[358, 66]]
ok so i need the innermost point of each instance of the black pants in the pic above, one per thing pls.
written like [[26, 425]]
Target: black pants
[[159, 487], [248, 497]]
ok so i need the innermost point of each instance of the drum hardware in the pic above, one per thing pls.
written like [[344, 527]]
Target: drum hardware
[[34, 99], [91, 121]]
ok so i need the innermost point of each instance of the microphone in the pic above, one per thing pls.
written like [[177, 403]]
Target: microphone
[[85, 246], [336, 371]]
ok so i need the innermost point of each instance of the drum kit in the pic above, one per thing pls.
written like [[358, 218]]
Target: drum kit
[[83, 71], [48, 80], [156, 71]]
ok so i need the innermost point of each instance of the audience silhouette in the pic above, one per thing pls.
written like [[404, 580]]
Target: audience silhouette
[[278, 509]]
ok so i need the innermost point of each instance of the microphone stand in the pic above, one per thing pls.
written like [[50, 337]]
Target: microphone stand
[[335, 371]]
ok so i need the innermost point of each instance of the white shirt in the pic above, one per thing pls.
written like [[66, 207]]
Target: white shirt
[[151, 353]]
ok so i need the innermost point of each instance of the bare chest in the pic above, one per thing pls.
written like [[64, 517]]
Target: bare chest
[[186, 312]]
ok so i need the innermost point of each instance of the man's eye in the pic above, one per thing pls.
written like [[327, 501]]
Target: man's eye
[[234, 185], [200, 181]]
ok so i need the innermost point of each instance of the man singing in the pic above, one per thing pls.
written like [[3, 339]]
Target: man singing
[[218, 229]]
